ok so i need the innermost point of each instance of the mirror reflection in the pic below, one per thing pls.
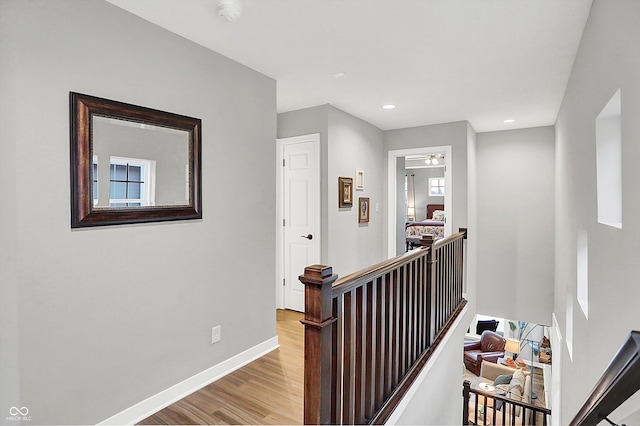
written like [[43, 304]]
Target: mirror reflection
[[132, 164], [139, 165]]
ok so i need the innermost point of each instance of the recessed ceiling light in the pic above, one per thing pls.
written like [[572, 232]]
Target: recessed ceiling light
[[509, 121], [388, 106]]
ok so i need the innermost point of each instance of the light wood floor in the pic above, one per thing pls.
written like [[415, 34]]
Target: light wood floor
[[267, 391]]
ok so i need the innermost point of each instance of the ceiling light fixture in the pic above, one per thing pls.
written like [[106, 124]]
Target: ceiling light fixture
[[388, 106], [509, 121], [433, 160], [229, 9], [339, 75]]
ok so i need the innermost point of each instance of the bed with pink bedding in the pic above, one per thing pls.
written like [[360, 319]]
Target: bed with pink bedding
[[433, 225]]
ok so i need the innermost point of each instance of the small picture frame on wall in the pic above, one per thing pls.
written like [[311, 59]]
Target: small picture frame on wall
[[359, 179], [345, 192], [363, 209]]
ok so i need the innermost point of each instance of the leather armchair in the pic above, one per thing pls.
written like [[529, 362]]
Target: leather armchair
[[490, 347]]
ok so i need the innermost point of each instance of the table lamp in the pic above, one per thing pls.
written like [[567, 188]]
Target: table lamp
[[513, 346]]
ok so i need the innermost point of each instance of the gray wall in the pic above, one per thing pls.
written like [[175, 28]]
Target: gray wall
[[347, 143], [515, 199], [608, 59], [354, 143], [79, 343]]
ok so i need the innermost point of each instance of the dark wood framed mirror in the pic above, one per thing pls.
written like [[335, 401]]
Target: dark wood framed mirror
[[131, 164]]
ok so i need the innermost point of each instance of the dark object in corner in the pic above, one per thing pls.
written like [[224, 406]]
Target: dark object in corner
[[491, 325]]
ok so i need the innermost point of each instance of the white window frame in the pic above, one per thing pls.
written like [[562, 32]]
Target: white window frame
[[95, 195], [149, 167], [440, 185]]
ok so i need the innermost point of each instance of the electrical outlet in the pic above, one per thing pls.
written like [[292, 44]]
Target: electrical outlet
[[215, 334]]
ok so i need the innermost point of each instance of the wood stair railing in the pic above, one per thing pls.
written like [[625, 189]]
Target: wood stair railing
[[368, 335], [492, 409], [619, 382]]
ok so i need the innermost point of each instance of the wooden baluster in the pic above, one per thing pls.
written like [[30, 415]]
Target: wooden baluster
[[427, 241], [395, 329], [402, 302], [349, 360], [410, 314], [336, 361], [317, 321], [466, 387], [419, 306], [371, 348], [389, 333], [381, 343], [361, 296]]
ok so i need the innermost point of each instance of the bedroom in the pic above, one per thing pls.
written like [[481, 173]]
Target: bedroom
[[425, 190]]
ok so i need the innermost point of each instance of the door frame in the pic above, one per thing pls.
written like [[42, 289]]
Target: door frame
[[280, 144], [392, 196]]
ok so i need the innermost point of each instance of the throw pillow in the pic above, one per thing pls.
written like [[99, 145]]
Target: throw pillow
[[503, 379], [517, 383]]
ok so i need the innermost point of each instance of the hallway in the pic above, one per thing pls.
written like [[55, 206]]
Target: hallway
[[269, 390]]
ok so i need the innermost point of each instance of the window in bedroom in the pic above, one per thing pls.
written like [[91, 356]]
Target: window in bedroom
[[436, 186], [609, 163], [582, 273], [131, 182]]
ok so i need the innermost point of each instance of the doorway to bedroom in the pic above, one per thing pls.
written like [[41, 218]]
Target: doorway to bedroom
[[419, 182]]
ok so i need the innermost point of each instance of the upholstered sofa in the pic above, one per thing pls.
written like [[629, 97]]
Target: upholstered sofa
[[489, 372], [490, 347]]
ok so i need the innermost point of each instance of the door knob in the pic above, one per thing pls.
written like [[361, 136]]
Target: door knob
[[308, 237]]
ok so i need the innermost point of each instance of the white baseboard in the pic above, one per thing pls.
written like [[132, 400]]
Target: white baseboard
[[157, 402]]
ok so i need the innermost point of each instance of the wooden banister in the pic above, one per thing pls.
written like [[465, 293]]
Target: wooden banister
[[619, 382], [367, 335]]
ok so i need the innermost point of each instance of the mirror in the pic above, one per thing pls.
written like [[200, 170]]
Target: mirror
[[131, 164]]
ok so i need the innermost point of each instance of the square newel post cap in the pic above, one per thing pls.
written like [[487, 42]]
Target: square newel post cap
[[427, 240], [318, 275]]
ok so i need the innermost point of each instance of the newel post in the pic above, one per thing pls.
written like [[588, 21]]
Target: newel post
[[427, 241], [317, 280]]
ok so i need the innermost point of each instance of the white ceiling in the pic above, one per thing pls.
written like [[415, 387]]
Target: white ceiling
[[439, 60]]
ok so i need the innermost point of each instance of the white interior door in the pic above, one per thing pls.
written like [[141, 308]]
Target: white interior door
[[300, 180]]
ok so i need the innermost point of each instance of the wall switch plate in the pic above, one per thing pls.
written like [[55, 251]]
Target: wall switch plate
[[377, 207], [215, 334]]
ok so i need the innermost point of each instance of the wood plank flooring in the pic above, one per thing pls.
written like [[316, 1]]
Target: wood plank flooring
[[267, 391]]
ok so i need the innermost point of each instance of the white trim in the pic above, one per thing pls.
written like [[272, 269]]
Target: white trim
[[157, 402], [392, 202], [556, 373], [406, 399], [315, 138], [149, 167]]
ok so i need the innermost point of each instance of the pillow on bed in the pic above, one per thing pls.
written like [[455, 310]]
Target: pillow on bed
[[438, 215]]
